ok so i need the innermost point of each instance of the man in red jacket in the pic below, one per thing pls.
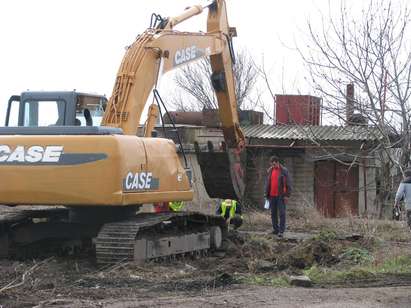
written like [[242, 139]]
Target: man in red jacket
[[278, 188]]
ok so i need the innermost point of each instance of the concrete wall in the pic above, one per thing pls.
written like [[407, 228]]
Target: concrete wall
[[300, 170], [303, 179], [257, 164]]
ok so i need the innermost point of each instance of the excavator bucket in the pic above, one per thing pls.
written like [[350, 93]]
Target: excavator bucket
[[222, 173]]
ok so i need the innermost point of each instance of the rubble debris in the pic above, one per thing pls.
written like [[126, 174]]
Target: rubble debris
[[301, 281], [264, 266]]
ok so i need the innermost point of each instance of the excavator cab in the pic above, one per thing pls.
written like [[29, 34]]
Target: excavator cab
[[63, 108]]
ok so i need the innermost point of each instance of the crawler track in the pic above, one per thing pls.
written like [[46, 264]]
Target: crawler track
[[151, 236], [115, 241], [144, 236]]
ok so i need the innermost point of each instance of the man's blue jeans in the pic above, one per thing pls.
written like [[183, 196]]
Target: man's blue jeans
[[277, 207]]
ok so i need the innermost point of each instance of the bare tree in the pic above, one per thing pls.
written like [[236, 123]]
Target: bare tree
[[194, 79], [373, 53]]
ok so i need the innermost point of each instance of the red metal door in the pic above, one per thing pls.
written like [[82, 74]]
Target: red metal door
[[324, 176], [336, 189], [346, 192]]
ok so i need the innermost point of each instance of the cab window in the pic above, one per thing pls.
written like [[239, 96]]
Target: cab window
[[44, 113], [14, 114], [90, 110]]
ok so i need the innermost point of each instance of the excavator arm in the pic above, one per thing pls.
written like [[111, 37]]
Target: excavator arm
[[162, 49]]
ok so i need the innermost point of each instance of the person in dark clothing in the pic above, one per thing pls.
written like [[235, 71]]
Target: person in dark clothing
[[278, 189]]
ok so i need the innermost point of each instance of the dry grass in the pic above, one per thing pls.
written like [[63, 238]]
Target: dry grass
[[255, 220], [309, 220]]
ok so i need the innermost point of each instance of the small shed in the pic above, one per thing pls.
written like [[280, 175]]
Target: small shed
[[330, 166]]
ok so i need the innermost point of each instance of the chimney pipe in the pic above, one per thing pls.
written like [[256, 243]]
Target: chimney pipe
[[349, 103]]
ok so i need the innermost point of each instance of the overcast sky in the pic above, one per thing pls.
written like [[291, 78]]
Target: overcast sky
[[73, 44]]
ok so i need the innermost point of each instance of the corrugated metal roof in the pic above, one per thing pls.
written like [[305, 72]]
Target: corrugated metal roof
[[300, 132]]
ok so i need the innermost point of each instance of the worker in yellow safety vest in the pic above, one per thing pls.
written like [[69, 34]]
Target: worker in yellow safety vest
[[231, 211], [176, 206]]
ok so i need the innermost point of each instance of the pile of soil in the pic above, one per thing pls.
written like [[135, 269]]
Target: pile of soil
[[307, 254]]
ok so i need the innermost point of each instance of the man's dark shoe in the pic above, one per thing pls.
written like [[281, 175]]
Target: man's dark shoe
[[280, 235], [274, 232]]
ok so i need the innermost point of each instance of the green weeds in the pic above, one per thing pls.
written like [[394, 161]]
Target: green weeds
[[356, 255], [397, 265], [265, 280]]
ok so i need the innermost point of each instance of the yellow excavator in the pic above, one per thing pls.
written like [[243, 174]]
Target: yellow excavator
[[82, 152]]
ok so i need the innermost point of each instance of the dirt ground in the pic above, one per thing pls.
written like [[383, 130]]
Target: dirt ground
[[284, 297], [254, 270], [252, 296]]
